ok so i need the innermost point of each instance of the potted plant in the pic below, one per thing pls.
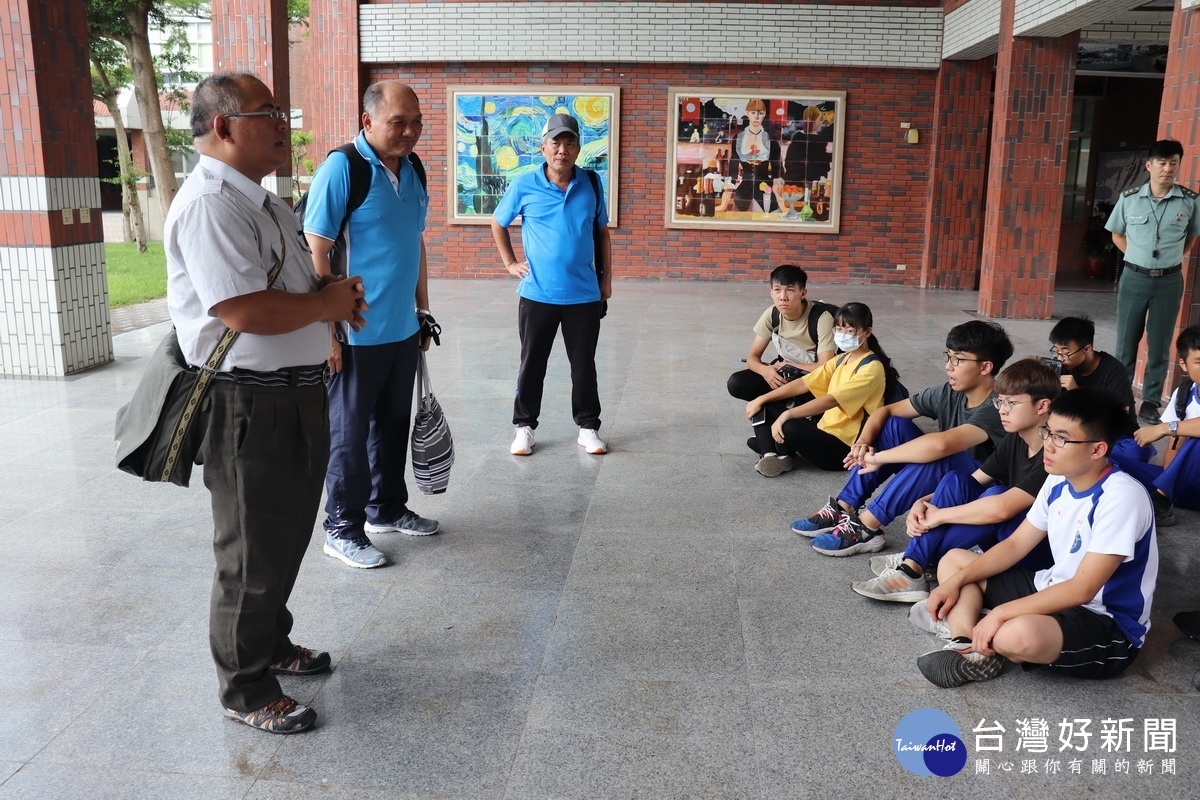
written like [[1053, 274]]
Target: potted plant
[[1098, 247], [1096, 257]]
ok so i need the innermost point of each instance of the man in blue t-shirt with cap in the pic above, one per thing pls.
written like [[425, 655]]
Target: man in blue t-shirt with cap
[[564, 235]]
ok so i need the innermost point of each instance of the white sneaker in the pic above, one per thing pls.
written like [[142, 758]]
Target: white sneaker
[[882, 564], [919, 616], [523, 444], [591, 443]]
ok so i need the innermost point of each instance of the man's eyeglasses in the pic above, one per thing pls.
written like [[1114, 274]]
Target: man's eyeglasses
[[1006, 405], [1058, 439], [276, 114], [1061, 356], [954, 361]]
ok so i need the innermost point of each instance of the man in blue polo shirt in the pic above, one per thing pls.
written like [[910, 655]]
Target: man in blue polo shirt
[[564, 235], [372, 370]]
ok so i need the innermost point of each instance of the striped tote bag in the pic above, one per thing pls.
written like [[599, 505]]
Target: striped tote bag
[[432, 444]]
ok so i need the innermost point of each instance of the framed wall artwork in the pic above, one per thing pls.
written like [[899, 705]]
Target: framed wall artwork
[[496, 135], [754, 159]]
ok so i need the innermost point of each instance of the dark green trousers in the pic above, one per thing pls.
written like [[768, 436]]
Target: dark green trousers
[[1151, 305], [264, 453]]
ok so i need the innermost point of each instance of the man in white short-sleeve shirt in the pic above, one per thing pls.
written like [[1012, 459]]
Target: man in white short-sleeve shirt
[[263, 421]]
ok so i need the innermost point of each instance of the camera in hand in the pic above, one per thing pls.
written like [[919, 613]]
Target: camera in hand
[[789, 373]]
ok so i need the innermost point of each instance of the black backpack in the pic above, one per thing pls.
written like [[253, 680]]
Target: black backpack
[[595, 181], [819, 308], [893, 390], [1183, 395], [360, 185]]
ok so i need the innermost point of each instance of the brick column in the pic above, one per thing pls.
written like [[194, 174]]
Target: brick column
[[252, 36], [338, 80], [1177, 120], [1031, 122], [958, 172], [54, 298]]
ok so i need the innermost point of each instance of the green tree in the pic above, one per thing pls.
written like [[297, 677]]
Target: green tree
[[110, 71], [128, 22], [302, 165], [297, 11]]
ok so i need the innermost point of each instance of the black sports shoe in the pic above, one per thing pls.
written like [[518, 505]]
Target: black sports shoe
[[281, 715], [301, 661], [948, 667], [1149, 414]]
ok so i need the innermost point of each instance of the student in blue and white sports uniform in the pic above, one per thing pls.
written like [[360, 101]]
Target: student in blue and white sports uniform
[[1087, 614], [1177, 482]]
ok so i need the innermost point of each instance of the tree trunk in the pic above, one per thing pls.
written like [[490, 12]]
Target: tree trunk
[[145, 89], [131, 206], [134, 222]]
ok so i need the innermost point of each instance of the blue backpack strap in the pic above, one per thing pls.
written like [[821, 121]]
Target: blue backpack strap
[[842, 358]]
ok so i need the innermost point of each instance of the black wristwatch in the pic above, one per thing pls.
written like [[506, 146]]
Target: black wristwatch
[[1173, 427]]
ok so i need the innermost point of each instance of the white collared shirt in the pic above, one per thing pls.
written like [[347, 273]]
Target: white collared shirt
[[222, 242]]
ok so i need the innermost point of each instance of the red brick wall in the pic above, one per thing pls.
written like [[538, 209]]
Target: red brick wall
[[328, 65], [46, 127], [1031, 122], [252, 36], [954, 216], [885, 178]]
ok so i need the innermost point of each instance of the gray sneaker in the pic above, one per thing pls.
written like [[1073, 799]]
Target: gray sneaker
[[411, 523], [356, 552], [893, 586], [772, 465]]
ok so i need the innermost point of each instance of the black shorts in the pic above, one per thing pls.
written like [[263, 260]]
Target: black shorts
[[1093, 645]]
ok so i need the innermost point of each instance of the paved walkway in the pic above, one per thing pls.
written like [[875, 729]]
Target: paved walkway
[[140, 315], [637, 625]]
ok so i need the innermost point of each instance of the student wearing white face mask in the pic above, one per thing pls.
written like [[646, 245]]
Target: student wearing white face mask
[[845, 390]]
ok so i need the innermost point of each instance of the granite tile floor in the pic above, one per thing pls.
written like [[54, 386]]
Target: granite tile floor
[[635, 625]]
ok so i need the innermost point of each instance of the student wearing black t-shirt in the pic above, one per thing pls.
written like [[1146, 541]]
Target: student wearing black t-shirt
[[1085, 367], [891, 446], [980, 508]]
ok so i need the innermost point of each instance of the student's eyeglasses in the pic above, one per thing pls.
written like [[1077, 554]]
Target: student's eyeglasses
[[1006, 405], [1061, 356], [1058, 439], [954, 360], [276, 114]]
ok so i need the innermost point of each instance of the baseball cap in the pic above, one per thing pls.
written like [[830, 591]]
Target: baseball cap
[[561, 123]]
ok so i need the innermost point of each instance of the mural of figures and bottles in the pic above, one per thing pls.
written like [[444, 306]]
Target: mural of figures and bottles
[[497, 135], [755, 159]]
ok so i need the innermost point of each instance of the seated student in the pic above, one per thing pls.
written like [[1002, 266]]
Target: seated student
[[1084, 367], [891, 444], [1087, 614], [1177, 482], [844, 390], [984, 507], [802, 341]]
